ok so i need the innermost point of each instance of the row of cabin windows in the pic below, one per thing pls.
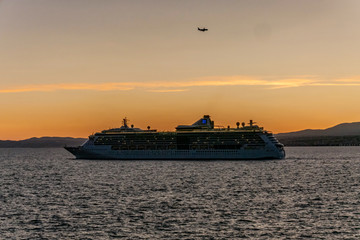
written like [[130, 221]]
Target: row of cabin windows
[[107, 141], [172, 136], [179, 147], [179, 143]]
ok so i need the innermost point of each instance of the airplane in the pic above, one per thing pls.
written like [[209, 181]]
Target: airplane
[[202, 29]]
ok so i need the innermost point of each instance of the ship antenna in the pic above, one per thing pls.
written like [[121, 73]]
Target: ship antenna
[[125, 120]]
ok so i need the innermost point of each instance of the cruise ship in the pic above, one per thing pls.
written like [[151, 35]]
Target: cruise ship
[[199, 141]]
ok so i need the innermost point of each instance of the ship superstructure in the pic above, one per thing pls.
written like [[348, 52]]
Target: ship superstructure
[[201, 140]]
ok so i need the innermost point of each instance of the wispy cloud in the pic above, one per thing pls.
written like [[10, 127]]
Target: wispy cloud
[[349, 80], [181, 86], [69, 86], [167, 90]]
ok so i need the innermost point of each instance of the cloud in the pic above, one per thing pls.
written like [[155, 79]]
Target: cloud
[[181, 86], [349, 80], [168, 90], [70, 86]]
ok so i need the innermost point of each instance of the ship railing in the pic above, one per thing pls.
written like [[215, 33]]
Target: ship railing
[[257, 130]]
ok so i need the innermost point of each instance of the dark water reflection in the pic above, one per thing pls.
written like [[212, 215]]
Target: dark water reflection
[[314, 194]]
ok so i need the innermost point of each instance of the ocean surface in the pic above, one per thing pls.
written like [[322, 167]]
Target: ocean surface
[[313, 194]]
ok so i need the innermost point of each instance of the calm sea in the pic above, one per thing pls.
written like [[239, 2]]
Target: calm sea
[[313, 194]]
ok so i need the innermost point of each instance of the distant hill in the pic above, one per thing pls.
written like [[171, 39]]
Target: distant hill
[[43, 142], [344, 134], [343, 129], [339, 135]]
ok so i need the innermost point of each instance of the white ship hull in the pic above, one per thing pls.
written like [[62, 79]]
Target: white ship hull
[[241, 154]]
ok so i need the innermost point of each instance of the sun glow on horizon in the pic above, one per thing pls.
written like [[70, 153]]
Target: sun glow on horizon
[[69, 68]]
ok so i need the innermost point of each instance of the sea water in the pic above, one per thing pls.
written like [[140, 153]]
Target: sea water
[[314, 193]]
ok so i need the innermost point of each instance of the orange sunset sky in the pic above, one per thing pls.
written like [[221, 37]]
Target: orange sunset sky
[[71, 68]]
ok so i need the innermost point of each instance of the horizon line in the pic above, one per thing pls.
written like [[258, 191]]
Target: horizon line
[[295, 131]]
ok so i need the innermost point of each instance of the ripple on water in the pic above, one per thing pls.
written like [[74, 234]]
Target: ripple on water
[[313, 194]]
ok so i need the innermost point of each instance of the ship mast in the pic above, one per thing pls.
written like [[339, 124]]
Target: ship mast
[[125, 121]]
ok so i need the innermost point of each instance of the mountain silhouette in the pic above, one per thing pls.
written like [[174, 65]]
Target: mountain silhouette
[[42, 142], [343, 129], [344, 133]]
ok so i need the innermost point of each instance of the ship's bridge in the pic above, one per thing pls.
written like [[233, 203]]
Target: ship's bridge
[[123, 128]]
